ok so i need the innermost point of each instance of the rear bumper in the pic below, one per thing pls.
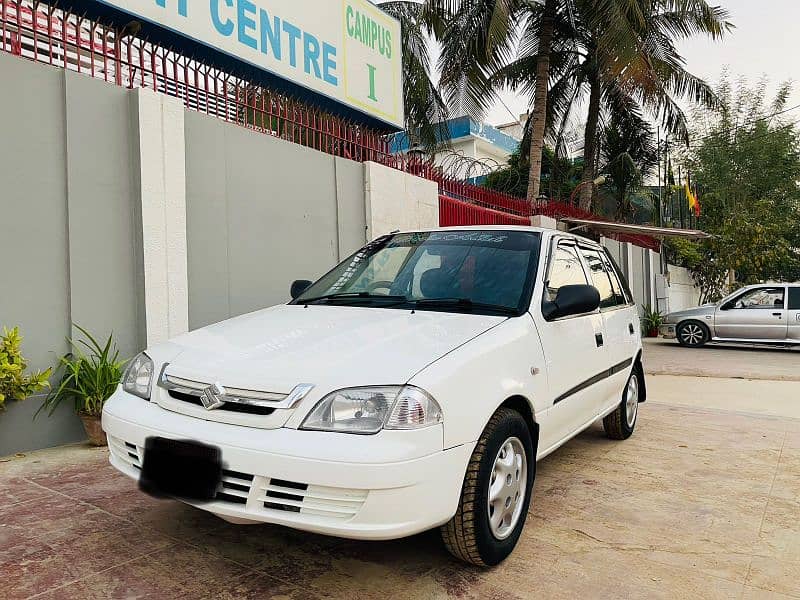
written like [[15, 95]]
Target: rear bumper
[[667, 331], [276, 476]]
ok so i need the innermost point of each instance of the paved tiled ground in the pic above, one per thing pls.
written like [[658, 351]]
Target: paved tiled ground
[[698, 504]]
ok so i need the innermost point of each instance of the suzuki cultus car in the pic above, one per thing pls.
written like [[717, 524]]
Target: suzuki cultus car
[[755, 314], [414, 386]]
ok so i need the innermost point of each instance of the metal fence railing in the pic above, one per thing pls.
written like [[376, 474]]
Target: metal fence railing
[[45, 33], [456, 212]]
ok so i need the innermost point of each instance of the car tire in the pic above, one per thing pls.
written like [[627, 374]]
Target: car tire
[[693, 334], [472, 535], [619, 425]]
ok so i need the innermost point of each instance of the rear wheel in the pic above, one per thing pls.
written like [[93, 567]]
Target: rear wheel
[[692, 334], [496, 493], [619, 425]]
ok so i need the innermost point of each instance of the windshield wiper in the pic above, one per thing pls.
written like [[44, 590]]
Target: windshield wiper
[[352, 296], [463, 304]]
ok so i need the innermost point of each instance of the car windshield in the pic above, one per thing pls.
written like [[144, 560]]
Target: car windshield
[[485, 272]]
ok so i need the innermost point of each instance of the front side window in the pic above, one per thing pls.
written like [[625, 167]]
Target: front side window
[[761, 298], [487, 271], [565, 269]]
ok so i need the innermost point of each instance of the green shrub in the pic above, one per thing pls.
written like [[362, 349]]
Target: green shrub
[[14, 383], [652, 319], [88, 376]]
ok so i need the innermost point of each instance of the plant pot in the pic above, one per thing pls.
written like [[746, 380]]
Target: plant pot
[[94, 431], [652, 332]]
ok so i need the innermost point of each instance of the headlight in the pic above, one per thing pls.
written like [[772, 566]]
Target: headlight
[[367, 410], [138, 377]]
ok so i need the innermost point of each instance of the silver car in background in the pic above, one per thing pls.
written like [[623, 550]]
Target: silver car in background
[[764, 314]]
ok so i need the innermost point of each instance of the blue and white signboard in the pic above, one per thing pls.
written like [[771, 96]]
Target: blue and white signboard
[[346, 50]]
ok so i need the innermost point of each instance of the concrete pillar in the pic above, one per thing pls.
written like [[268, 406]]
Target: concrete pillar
[[162, 178], [397, 200], [544, 222]]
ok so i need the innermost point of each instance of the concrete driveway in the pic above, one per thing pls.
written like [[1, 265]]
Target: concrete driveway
[[667, 357], [702, 502]]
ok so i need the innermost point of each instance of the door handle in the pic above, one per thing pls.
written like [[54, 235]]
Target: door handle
[[779, 315], [630, 328], [598, 338]]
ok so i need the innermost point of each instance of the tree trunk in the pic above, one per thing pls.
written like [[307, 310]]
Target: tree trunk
[[539, 112], [590, 146]]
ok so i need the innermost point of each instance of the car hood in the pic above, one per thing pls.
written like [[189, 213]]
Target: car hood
[[329, 346], [700, 311]]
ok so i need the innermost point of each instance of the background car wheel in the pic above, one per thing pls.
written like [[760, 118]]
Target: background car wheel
[[692, 334], [496, 493], [619, 425]]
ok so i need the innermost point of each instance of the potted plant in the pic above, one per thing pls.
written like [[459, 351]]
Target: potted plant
[[15, 384], [651, 321], [89, 374]]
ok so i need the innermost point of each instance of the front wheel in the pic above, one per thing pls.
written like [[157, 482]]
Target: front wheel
[[496, 493], [692, 334]]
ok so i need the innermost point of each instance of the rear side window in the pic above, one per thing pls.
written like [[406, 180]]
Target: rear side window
[[794, 298], [600, 269], [565, 269], [618, 277]]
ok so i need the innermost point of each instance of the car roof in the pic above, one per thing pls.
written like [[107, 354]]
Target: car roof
[[545, 231]]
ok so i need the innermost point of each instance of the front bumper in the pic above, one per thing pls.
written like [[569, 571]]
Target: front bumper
[[667, 331], [390, 485]]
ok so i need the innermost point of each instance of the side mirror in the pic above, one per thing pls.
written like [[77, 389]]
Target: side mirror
[[298, 287], [572, 300]]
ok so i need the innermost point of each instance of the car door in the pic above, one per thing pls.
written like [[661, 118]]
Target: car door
[[620, 321], [757, 313], [793, 314], [573, 346]]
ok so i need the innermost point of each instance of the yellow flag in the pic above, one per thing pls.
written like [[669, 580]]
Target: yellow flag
[[690, 196]]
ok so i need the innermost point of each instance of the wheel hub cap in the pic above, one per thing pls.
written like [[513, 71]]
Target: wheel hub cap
[[692, 334], [507, 487], [632, 400]]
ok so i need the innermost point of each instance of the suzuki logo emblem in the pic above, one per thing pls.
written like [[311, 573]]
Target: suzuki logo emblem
[[213, 396]]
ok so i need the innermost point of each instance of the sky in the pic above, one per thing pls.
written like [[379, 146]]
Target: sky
[[766, 40]]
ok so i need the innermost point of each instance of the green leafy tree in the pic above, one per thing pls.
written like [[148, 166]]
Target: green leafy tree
[[559, 175], [746, 163], [15, 383]]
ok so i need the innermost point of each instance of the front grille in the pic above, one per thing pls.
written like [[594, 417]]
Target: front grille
[[329, 502], [271, 494], [235, 487], [229, 406], [126, 452]]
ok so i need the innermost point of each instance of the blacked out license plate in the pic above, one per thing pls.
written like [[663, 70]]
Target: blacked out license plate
[[180, 469]]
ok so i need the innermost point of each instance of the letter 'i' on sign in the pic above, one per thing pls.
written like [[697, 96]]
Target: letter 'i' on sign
[[372, 83]]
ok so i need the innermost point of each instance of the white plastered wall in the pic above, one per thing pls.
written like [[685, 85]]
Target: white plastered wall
[[397, 200], [162, 161]]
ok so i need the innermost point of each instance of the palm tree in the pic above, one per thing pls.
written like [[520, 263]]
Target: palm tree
[[425, 109], [649, 72], [538, 115], [621, 53], [476, 38], [628, 154]]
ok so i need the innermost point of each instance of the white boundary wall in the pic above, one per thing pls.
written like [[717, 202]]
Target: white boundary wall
[[682, 291], [397, 200]]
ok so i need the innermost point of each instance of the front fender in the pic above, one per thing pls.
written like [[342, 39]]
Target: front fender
[[472, 381]]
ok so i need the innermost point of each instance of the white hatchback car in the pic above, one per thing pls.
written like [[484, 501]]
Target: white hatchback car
[[413, 386]]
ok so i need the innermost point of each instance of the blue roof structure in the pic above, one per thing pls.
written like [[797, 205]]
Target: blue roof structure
[[462, 127]]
